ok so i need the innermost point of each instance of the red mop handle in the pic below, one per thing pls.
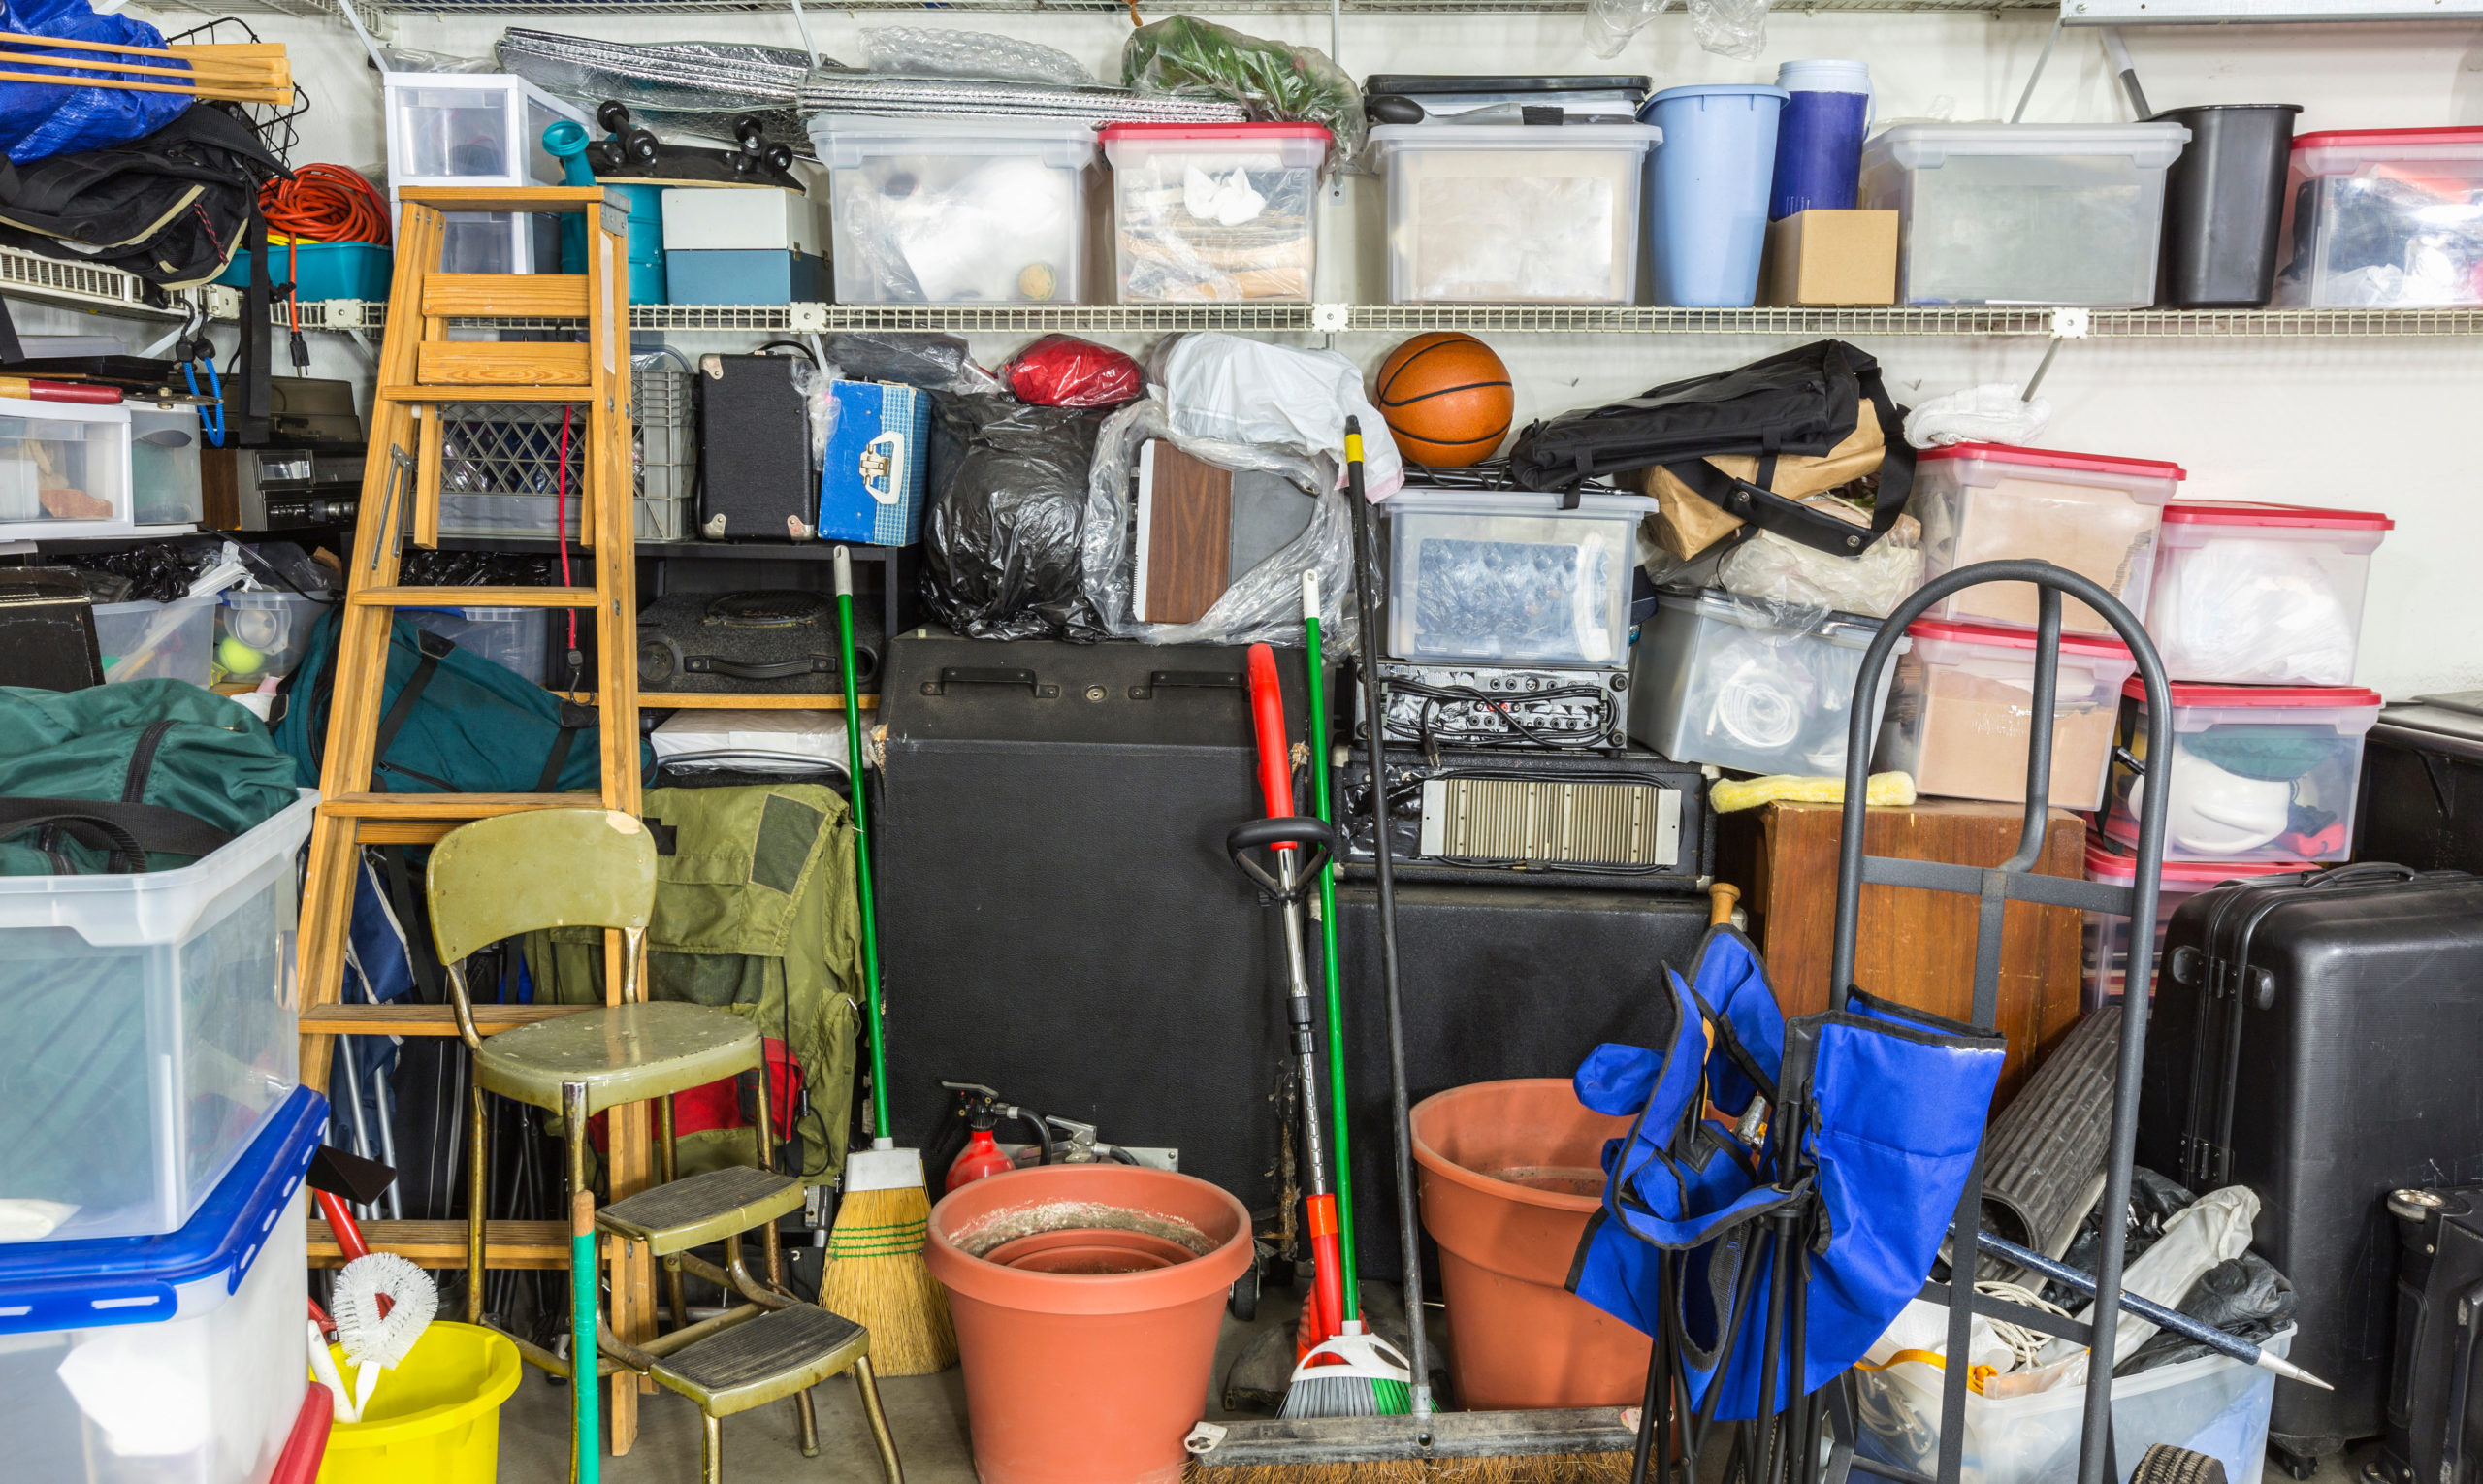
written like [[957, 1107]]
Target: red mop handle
[[1328, 1266], [341, 1225], [1267, 712]]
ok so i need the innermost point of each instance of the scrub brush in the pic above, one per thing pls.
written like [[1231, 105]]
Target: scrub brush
[[383, 1304], [1356, 1375]]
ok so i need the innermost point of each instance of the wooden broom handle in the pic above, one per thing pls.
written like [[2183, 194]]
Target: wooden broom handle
[[1721, 897]]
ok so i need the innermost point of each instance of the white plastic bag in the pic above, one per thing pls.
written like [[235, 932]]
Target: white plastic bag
[[2201, 1235], [1263, 604], [1610, 23], [1232, 390], [1735, 28], [1872, 584], [1991, 414]]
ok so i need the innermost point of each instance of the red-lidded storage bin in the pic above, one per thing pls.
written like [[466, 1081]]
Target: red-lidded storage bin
[[2250, 594], [2095, 514], [2257, 772]]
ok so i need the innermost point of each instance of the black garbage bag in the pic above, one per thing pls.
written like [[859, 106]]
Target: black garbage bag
[[2244, 1296], [2153, 1200], [1000, 546]]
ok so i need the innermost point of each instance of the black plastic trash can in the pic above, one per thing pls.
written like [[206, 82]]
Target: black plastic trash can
[[2222, 200]]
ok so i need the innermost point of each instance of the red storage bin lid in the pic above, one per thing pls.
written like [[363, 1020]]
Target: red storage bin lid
[[2330, 139], [2015, 639], [2103, 862], [2056, 458], [2189, 692], [2252, 512], [1154, 131]]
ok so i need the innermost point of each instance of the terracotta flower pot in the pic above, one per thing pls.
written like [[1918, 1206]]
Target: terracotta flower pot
[[1510, 1173], [1086, 1347]]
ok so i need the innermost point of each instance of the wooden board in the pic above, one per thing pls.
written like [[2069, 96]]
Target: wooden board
[[1916, 947], [1186, 557]]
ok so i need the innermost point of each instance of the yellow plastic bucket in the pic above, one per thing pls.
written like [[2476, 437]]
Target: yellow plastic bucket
[[435, 1419]]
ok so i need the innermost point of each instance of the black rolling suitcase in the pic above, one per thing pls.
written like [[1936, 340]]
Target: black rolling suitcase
[[2316, 1036], [2434, 1395]]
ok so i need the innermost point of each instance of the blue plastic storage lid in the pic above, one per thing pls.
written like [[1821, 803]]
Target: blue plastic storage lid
[[1716, 90], [62, 1286]]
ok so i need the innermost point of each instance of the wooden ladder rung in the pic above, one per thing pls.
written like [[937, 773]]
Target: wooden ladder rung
[[424, 1019], [442, 1244], [483, 296], [505, 198], [458, 807], [414, 391], [473, 598], [490, 364]]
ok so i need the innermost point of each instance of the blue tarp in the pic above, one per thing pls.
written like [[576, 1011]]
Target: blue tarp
[[42, 119]]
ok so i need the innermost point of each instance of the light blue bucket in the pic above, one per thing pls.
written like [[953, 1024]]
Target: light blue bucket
[[1707, 190]]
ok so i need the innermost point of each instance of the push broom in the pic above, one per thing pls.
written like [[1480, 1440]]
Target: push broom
[[875, 1273], [1563, 1444]]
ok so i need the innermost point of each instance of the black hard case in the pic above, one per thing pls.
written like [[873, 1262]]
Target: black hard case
[[2435, 1404], [2422, 793], [1058, 915], [754, 468], [2316, 1036]]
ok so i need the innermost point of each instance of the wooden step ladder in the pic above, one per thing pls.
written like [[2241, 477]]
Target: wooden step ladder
[[421, 369]]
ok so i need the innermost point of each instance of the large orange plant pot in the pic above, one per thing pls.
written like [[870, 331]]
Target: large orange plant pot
[[1510, 1173], [1086, 1347]]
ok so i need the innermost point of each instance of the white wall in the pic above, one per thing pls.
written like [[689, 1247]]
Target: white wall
[[2379, 424]]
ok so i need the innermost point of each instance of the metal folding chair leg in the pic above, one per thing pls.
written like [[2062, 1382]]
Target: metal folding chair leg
[[711, 1449], [477, 1182], [868, 1383], [808, 1414]]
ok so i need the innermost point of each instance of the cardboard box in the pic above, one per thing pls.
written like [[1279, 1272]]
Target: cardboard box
[[1831, 258]]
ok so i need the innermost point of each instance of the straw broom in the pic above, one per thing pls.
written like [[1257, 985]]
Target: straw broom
[[875, 1275]]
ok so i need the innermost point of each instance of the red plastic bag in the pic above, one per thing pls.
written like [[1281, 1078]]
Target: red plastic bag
[[1062, 371]]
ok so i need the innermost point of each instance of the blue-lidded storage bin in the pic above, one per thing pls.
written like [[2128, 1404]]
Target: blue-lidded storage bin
[[172, 1357], [871, 489], [322, 269], [1707, 189]]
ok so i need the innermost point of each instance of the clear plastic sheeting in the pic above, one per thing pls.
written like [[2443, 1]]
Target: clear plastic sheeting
[[688, 87], [935, 363], [1277, 83], [1735, 28], [1231, 389], [1611, 24], [928, 51], [909, 97], [1772, 569], [1263, 606]]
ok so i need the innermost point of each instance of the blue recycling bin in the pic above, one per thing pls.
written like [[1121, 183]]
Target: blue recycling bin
[[1707, 190]]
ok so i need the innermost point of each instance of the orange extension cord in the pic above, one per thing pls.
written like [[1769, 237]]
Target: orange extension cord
[[321, 203]]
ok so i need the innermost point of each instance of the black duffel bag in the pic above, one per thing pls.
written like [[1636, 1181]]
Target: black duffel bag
[[1748, 441]]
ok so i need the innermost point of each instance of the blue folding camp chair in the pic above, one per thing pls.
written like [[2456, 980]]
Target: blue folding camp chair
[[1786, 1187]]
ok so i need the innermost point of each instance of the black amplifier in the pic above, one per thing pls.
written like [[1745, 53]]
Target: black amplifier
[[1473, 705], [1632, 821]]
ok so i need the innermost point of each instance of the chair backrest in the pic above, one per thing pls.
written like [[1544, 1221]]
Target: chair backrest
[[518, 873]]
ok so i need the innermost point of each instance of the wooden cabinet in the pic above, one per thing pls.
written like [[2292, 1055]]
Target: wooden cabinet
[[1916, 947]]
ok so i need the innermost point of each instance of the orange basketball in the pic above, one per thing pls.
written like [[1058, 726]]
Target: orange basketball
[[1446, 398]]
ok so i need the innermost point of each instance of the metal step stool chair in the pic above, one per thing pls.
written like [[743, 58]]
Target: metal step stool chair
[[546, 868]]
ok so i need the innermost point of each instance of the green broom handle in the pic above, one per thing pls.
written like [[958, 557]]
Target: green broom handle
[[1329, 957], [880, 1132]]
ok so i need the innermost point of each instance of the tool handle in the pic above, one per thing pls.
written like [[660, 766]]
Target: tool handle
[[2134, 1304], [1267, 716], [1327, 1287], [340, 1222], [1284, 834]]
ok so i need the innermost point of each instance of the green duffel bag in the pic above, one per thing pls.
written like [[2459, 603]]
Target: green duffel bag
[[142, 776]]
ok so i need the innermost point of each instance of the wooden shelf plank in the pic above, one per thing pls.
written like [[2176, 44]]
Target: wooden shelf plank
[[442, 1244], [424, 1019]]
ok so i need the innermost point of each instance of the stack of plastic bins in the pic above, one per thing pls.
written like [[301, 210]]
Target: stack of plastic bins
[[168, 1357], [477, 129], [146, 1030], [64, 469]]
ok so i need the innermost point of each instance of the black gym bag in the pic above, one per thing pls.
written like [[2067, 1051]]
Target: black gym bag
[[1805, 403]]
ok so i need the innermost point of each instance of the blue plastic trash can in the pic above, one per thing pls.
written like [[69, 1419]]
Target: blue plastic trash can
[[1707, 190]]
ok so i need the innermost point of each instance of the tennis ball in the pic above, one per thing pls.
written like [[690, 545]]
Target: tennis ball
[[238, 657]]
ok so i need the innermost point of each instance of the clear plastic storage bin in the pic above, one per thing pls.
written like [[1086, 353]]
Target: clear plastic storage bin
[[2261, 594], [146, 1028], [1219, 213], [471, 128], [164, 452], [2095, 514], [2258, 772], [1742, 683], [982, 210], [157, 641], [2024, 214], [1494, 214], [2213, 1405], [175, 1358], [1511, 578], [2383, 217], [516, 639], [64, 469], [1963, 707], [258, 635], [2108, 937]]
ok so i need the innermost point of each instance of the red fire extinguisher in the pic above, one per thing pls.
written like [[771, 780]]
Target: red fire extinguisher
[[984, 1112]]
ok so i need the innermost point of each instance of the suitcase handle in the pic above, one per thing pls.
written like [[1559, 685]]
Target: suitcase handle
[[2359, 873], [988, 675]]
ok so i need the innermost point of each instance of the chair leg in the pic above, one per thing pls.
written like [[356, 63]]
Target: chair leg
[[586, 1430], [711, 1449], [809, 1418], [869, 1385], [477, 1182]]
